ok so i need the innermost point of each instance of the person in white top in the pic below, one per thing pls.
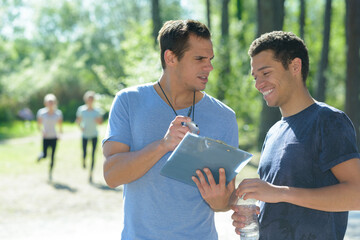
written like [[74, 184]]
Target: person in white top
[[88, 117], [47, 118]]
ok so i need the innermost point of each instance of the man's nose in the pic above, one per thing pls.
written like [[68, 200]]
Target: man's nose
[[209, 67], [259, 82]]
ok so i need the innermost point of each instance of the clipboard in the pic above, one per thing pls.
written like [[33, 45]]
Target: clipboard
[[196, 152]]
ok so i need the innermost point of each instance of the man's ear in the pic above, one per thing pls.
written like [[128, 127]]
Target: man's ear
[[295, 66], [170, 58]]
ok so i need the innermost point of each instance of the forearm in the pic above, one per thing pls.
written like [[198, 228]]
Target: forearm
[[125, 167], [60, 127], [336, 198], [39, 125], [99, 121]]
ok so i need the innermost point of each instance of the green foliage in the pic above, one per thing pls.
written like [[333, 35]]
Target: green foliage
[[67, 47], [335, 92], [170, 9], [241, 94], [335, 74], [140, 58]]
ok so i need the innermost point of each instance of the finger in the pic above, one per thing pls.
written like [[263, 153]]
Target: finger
[[198, 184], [234, 216], [185, 128], [210, 177], [251, 195], [233, 207], [182, 131], [231, 187], [239, 221], [244, 187], [201, 177], [179, 119], [238, 225], [222, 177]]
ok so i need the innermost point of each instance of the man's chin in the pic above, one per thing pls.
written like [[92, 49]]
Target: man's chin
[[269, 104], [202, 87]]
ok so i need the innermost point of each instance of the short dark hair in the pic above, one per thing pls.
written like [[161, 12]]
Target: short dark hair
[[174, 36], [286, 47]]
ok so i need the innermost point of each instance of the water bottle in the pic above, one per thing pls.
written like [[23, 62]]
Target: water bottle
[[247, 208]]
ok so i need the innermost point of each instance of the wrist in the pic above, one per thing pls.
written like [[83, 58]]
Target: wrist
[[220, 209], [284, 193], [161, 147]]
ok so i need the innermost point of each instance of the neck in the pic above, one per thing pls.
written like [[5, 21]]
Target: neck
[[51, 110], [300, 102], [178, 95]]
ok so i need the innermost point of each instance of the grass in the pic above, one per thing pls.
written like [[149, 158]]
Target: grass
[[70, 207], [17, 156], [17, 129], [67, 208]]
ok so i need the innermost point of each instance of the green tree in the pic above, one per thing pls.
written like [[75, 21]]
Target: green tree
[[323, 64], [353, 62], [270, 17], [223, 81], [155, 13]]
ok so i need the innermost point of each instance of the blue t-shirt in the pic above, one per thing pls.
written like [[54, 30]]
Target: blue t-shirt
[[299, 151], [88, 121], [157, 207]]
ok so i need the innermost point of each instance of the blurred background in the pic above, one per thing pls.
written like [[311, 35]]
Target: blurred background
[[67, 47]]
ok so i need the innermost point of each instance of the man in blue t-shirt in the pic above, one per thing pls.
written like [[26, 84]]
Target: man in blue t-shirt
[[145, 126], [309, 167]]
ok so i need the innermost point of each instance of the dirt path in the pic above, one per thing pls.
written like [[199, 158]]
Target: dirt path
[[71, 208]]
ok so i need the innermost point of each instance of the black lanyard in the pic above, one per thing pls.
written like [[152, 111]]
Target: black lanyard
[[192, 108]]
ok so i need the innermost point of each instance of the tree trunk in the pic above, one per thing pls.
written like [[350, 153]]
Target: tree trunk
[[223, 81], [270, 17], [155, 13], [352, 102], [239, 9], [302, 18], [323, 64], [225, 18], [208, 13]]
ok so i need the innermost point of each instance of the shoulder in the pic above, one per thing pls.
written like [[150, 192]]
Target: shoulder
[[58, 112], [133, 95], [41, 112], [334, 123], [81, 110], [329, 115], [217, 104], [82, 107], [327, 110], [135, 90]]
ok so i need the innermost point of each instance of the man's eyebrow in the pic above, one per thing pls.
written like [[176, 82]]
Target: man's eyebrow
[[261, 68], [202, 57], [264, 67]]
